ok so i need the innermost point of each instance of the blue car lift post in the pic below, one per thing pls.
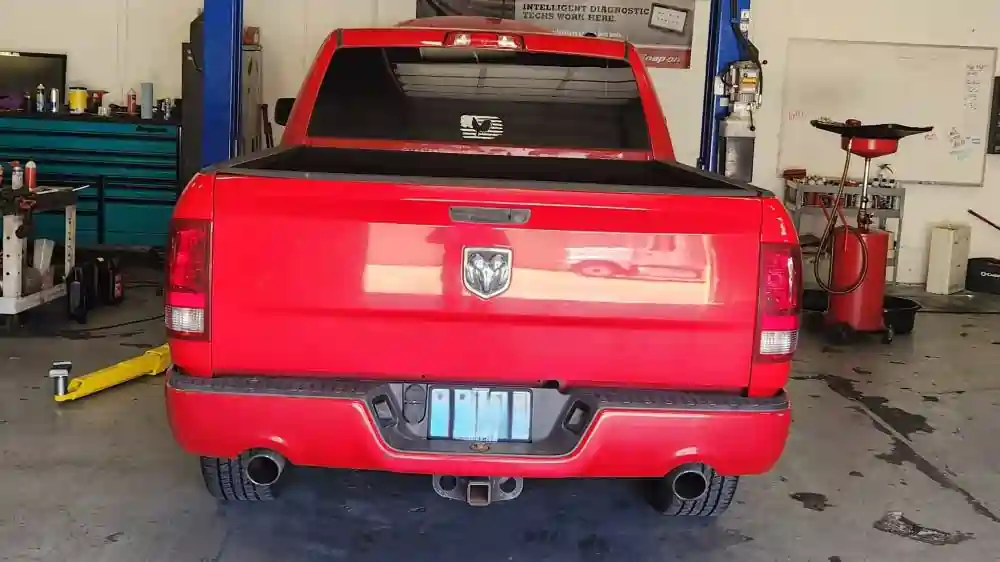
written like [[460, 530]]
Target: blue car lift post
[[724, 48], [223, 49]]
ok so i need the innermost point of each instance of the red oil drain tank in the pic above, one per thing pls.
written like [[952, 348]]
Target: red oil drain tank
[[860, 309]]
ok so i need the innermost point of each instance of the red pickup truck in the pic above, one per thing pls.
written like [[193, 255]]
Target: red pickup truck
[[390, 289]]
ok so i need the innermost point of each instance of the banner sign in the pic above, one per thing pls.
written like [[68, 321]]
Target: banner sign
[[662, 30]]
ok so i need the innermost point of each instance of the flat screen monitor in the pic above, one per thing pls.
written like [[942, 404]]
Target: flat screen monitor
[[22, 72]]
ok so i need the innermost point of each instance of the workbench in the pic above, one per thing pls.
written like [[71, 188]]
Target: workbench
[[12, 299]]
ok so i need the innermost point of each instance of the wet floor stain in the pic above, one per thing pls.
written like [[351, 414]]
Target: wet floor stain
[[554, 520], [834, 559], [593, 544], [900, 420], [544, 536], [811, 500], [930, 398], [861, 371], [902, 424], [856, 474], [895, 523], [902, 452]]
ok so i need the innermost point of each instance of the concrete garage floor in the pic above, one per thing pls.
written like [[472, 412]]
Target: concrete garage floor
[[909, 427]]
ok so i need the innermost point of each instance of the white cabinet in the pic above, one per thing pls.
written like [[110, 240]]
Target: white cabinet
[[949, 258]]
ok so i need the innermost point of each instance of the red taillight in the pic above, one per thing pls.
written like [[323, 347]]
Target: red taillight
[[780, 301], [188, 277], [483, 40]]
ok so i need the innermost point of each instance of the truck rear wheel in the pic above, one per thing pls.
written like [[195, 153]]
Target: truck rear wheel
[[715, 500], [226, 480]]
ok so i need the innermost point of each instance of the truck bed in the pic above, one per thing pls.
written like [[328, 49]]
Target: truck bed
[[576, 174]]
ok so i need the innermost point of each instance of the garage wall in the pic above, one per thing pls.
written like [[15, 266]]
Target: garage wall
[[115, 44], [112, 44], [292, 31], [905, 21]]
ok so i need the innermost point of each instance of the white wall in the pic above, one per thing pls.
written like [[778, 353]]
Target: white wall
[[112, 44], [976, 22], [115, 44], [292, 34]]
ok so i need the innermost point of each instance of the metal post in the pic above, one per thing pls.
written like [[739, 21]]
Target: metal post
[[69, 250], [13, 257], [59, 373], [864, 220], [723, 49], [223, 48]]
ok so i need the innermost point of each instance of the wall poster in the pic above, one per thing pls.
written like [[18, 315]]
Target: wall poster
[[661, 29]]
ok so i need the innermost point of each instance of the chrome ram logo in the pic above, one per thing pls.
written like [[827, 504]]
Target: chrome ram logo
[[486, 271]]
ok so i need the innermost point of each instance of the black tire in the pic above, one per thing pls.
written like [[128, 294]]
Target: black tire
[[905, 330], [226, 480], [840, 334], [716, 500], [599, 269], [11, 325]]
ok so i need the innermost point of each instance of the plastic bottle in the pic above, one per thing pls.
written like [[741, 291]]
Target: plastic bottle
[[40, 98], [31, 175], [16, 175], [131, 102]]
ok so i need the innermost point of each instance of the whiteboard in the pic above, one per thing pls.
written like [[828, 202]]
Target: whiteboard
[[949, 88]]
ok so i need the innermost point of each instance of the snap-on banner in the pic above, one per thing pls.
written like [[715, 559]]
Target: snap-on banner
[[661, 30]]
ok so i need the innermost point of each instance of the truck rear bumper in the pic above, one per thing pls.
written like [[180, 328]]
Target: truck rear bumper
[[335, 424]]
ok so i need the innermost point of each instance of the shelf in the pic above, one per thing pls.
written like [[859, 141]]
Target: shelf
[[851, 211], [832, 190], [796, 194], [809, 258]]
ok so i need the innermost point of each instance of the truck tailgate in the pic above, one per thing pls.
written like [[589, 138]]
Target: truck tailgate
[[365, 279]]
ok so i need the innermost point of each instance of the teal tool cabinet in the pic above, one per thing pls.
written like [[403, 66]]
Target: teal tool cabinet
[[131, 166]]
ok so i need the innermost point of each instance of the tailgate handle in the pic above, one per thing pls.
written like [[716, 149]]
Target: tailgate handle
[[489, 215]]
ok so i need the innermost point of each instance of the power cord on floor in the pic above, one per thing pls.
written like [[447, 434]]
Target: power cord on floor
[[84, 331]]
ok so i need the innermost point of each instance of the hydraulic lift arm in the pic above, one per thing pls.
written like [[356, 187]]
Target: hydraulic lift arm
[[153, 362], [733, 92]]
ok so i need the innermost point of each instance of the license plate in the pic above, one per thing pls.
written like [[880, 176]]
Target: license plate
[[480, 414]]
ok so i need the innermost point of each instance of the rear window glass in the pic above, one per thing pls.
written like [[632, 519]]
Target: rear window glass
[[480, 97]]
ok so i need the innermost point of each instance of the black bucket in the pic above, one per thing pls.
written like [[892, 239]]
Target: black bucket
[[815, 300], [900, 313]]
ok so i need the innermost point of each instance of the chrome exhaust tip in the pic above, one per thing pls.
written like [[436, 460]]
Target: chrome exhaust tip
[[687, 482], [264, 467]]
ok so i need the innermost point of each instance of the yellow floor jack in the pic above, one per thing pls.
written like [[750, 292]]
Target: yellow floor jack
[[153, 362]]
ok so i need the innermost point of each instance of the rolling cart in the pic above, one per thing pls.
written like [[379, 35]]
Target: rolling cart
[[17, 208]]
